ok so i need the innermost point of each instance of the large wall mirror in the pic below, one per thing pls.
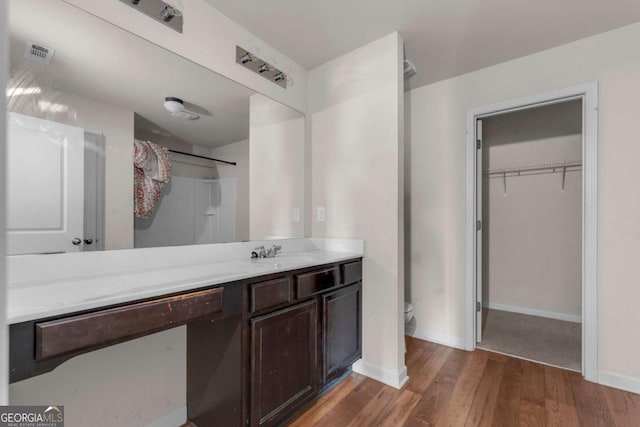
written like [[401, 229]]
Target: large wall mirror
[[85, 97]]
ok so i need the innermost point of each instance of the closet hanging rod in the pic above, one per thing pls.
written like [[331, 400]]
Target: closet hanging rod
[[549, 166], [203, 157]]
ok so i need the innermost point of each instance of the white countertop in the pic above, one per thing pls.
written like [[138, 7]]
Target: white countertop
[[43, 286]]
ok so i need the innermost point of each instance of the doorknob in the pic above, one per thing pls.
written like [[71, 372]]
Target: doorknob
[[88, 241], [76, 241]]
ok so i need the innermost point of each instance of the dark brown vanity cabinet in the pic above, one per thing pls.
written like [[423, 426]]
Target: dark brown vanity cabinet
[[283, 362], [341, 330], [258, 350], [297, 351]]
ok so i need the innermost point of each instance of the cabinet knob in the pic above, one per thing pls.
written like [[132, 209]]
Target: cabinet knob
[[88, 241], [76, 241]]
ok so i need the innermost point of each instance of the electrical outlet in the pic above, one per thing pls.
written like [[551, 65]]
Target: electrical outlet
[[320, 213], [296, 214]]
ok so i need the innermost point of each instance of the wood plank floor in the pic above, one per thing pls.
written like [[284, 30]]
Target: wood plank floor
[[449, 387]]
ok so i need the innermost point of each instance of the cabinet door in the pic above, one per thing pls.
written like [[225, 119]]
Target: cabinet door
[[341, 330], [283, 362]]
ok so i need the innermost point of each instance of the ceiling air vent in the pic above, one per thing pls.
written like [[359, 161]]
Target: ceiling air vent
[[39, 53]]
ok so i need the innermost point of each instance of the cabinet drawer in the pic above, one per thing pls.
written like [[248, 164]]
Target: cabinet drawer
[[265, 295], [316, 281], [351, 272], [106, 327]]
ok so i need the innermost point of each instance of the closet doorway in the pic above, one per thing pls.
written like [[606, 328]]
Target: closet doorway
[[531, 282], [531, 234]]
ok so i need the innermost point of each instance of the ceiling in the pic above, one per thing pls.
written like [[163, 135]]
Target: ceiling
[[443, 38], [97, 60]]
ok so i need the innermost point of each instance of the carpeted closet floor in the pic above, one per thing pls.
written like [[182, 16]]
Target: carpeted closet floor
[[551, 341]]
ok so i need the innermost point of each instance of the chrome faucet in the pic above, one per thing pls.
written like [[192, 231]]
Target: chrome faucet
[[261, 252], [273, 251]]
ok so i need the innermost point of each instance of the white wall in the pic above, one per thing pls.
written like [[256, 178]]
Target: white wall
[[116, 125], [436, 116], [130, 384], [237, 152], [532, 234], [4, 348], [355, 114], [209, 38], [276, 169]]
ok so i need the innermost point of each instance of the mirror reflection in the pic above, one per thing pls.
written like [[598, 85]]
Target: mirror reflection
[[117, 143]]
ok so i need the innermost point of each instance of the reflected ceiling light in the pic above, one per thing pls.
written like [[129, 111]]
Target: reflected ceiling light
[[246, 58], [264, 68], [175, 106], [19, 91], [169, 12], [52, 107]]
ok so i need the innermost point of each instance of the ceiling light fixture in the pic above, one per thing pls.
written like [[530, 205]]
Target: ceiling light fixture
[[175, 106], [168, 13], [264, 68]]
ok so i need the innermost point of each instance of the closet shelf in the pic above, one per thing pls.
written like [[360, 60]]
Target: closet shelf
[[534, 170], [550, 167]]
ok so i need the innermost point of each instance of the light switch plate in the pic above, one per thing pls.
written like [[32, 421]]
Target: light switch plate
[[296, 214], [320, 213]]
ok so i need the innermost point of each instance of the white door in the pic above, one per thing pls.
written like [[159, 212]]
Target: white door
[[45, 184], [479, 230]]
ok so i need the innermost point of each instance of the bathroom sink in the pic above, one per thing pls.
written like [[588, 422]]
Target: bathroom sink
[[288, 260]]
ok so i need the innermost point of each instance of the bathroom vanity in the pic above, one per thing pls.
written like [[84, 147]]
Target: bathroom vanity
[[295, 334], [264, 337]]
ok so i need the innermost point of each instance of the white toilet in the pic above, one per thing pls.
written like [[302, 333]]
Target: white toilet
[[408, 312], [408, 315]]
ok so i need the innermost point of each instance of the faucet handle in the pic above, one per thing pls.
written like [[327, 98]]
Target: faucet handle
[[260, 252]]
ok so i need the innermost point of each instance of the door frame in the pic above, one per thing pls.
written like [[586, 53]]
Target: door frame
[[589, 94]]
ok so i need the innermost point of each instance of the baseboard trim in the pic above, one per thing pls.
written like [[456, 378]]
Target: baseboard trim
[[392, 378], [534, 312], [174, 419], [448, 340], [622, 382]]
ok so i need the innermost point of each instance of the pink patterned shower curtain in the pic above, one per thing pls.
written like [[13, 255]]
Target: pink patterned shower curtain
[[152, 170]]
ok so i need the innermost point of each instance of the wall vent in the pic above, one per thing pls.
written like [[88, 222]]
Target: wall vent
[[410, 69], [39, 53]]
